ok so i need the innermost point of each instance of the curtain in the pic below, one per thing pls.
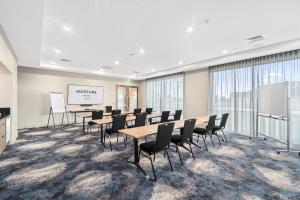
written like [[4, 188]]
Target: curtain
[[234, 89], [165, 93]]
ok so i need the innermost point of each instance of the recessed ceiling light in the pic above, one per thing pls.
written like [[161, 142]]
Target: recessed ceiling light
[[189, 29], [180, 63], [53, 63], [225, 51], [152, 70], [67, 28], [117, 63], [101, 70], [57, 51], [142, 51]]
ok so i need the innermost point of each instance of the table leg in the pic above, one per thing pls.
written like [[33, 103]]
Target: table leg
[[75, 118], [83, 124], [136, 161]]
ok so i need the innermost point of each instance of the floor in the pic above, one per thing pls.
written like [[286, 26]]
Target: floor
[[64, 163]]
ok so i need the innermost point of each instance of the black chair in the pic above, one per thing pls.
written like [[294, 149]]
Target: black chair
[[108, 109], [221, 126], [115, 112], [95, 115], [162, 143], [140, 120], [118, 123], [149, 111], [137, 110], [207, 131], [177, 115], [186, 134], [164, 117]]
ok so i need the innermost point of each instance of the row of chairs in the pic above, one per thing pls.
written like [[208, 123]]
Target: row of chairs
[[165, 139]]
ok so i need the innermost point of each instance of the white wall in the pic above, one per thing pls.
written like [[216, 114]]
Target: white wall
[[34, 86], [8, 81]]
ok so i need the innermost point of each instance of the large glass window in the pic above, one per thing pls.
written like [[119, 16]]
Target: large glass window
[[165, 93], [234, 89]]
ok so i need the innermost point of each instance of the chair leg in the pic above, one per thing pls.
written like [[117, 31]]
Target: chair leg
[[166, 151], [224, 136], [117, 137], [177, 149], [204, 140], [124, 140], [152, 168], [191, 150], [218, 139], [212, 140], [154, 157], [198, 138], [109, 142], [139, 154]]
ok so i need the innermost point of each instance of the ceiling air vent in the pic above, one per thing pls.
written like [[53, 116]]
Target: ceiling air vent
[[255, 38], [65, 60], [107, 67]]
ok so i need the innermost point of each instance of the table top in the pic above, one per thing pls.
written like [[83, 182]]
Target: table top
[[144, 131], [94, 109], [128, 118]]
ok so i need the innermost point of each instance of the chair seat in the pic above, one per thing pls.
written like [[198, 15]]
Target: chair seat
[[216, 128], [149, 147], [201, 131], [176, 139], [109, 131], [91, 123]]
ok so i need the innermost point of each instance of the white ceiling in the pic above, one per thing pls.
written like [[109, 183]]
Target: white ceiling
[[105, 31]]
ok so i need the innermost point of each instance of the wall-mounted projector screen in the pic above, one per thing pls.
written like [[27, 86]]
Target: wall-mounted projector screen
[[272, 99], [85, 95]]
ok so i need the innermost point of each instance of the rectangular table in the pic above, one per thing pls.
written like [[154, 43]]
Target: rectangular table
[[144, 131], [101, 122]]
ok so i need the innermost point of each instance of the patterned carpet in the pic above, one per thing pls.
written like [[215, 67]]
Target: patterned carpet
[[64, 163]]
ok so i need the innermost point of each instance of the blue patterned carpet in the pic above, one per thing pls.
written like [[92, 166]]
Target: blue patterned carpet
[[64, 163]]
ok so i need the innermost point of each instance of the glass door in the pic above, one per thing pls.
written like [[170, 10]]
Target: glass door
[[127, 97]]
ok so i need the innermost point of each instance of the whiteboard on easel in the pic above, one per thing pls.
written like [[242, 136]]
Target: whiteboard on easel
[[273, 99], [57, 102]]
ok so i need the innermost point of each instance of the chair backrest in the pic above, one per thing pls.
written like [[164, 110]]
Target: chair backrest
[[224, 120], [140, 119], [164, 116], [118, 122], [149, 111], [108, 109], [177, 114], [115, 112], [97, 114], [164, 134], [137, 110], [188, 128], [211, 123]]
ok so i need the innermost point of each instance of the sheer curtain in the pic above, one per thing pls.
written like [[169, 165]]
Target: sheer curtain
[[234, 87], [165, 93]]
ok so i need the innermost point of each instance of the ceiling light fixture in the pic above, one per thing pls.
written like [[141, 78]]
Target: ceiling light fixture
[[57, 51], [225, 51], [117, 63], [53, 63], [142, 51], [180, 63], [101, 70], [189, 29], [67, 28], [152, 70]]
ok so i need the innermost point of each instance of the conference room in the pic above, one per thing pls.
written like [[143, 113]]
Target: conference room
[[146, 99]]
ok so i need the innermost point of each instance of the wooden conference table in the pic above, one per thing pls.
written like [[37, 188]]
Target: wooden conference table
[[104, 121], [148, 130]]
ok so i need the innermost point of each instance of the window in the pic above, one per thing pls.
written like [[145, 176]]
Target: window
[[234, 87], [165, 93]]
